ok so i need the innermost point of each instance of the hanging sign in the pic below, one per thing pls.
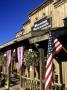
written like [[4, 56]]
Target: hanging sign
[[42, 24], [8, 57], [20, 56]]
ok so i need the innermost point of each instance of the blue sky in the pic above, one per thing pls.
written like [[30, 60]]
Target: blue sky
[[13, 13]]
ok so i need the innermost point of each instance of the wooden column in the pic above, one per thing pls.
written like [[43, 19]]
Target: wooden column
[[8, 79], [21, 80], [7, 73], [11, 67], [41, 51]]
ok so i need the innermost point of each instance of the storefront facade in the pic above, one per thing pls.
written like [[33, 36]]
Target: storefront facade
[[49, 16]]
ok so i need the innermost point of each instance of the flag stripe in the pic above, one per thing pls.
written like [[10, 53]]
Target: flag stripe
[[56, 44], [49, 59], [48, 64], [48, 70], [48, 74], [59, 48], [55, 40], [48, 81]]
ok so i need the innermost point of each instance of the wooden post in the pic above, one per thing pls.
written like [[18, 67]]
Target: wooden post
[[41, 51], [11, 67], [8, 79], [21, 80], [7, 86]]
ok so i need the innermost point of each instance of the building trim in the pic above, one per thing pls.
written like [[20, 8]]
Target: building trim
[[60, 2], [44, 4], [19, 31], [16, 40], [27, 22]]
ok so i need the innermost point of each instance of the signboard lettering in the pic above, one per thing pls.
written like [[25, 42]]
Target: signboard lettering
[[42, 24]]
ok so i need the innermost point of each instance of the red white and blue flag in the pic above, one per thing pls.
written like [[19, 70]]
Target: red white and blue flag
[[20, 51], [57, 45], [54, 46], [9, 57]]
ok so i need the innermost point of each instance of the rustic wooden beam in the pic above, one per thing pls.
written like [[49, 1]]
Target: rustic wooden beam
[[38, 38], [41, 51]]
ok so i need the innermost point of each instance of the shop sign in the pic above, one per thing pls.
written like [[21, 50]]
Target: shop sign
[[42, 24]]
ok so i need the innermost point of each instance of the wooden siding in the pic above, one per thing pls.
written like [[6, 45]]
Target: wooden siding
[[58, 13]]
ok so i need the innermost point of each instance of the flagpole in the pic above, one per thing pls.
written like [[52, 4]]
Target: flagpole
[[64, 49]]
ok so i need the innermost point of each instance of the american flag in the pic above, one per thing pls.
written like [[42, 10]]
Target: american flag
[[54, 46], [8, 57], [57, 45], [20, 51]]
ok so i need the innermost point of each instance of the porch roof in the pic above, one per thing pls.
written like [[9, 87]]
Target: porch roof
[[33, 34], [16, 40]]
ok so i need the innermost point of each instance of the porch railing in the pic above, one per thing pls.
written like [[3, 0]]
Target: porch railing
[[34, 84], [56, 86], [31, 84]]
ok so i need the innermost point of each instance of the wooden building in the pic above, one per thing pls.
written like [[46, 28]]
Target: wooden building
[[51, 15]]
